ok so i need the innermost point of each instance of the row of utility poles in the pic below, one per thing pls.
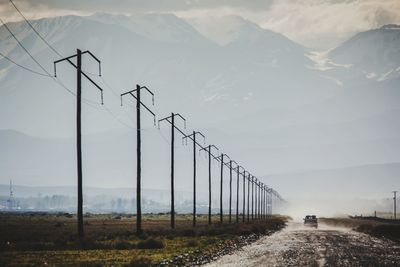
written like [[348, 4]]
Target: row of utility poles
[[262, 197]]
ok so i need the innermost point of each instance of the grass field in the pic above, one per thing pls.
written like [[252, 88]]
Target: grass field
[[110, 240], [374, 226]]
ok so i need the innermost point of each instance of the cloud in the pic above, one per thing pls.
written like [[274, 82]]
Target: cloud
[[322, 24], [319, 24]]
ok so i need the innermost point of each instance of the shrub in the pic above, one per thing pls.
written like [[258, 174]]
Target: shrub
[[189, 232], [121, 244], [210, 241], [150, 243], [192, 243]]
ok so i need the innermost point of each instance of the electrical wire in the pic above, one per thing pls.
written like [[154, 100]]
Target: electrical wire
[[23, 47], [22, 66], [55, 79], [33, 28], [59, 54]]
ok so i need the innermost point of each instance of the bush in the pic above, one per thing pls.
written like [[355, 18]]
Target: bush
[[121, 244], [189, 232], [150, 243], [192, 243], [210, 241]]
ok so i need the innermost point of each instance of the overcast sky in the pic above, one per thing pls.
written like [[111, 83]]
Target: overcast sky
[[318, 24]]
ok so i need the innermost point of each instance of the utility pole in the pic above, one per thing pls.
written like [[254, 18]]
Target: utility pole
[[394, 203], [193, 137], [221, 211], [79, 73], [244, 196], [208, 150], [263, 202], [270, 202], [171, 120], [237, 192], [253, 179], [248, 197], [259, 200], [255, 199], [230, 189], [139, 149]]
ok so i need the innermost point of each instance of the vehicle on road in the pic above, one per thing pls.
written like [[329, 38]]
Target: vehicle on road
[[311, 220]]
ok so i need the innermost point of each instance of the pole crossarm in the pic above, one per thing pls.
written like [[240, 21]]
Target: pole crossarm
[[240, 167], [191, 137], [223, 155], [141, 103], [82, 72], [233, 168], [168, 120], [70, 57], [208, 149]]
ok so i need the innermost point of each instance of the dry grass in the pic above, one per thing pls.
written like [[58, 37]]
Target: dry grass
[[376, 227], [35, 240]]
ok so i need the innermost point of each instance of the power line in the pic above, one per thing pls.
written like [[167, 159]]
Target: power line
[[37, 62], [23, 47], [22, 66], [89, 101], [40, 36], [59, 54]]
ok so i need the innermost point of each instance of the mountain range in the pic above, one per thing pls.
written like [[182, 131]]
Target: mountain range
[[270, 103]]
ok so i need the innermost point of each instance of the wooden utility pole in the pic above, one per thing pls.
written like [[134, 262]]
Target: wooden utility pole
[[264, 203], [79, 139], [221, 211], [79, 73], [194, 178], [172, 171], [270, 202], [230, 189], [394, 204], [171, 120], [244, 196], [252, 197], [248, 197], [139, 150], [259, 200], [208, 150], [193, 137], [237, 192]]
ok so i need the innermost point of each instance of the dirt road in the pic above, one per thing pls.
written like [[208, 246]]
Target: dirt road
[[328, 246]]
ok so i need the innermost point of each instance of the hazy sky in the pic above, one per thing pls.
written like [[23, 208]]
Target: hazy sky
[[320, 24]]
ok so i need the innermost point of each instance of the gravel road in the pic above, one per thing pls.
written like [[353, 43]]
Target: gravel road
[[297, 245]]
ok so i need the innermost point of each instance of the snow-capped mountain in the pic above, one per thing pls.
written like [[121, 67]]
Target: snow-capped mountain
[[254, 92], [374, 53], [160, 27], [206, 75]]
